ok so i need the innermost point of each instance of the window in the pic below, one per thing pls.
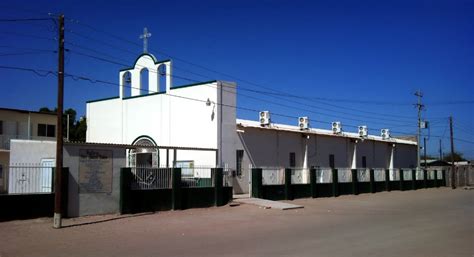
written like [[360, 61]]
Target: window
[[331, 161], [45, 130], [364, 162], [1, 127], [292, 159], [51, 131], [240, 157]]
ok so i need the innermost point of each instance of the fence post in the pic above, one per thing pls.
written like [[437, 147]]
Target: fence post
[[335, 183], [176, 189], [425, 178], [413, 179], [436, 178], [288, 193], [401, 180], [444, 177], [124, 202], [387, 180], [312, 181], [218, 191], [372, 181], [257, 182], [355, 181]]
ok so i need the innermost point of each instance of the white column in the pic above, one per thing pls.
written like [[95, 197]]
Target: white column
[[354, 156], [392, 155], [305, 176], [391, 163]]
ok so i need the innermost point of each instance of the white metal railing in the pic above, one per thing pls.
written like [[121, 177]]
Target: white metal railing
[[300, 176], [323, 175], [363, 175], [29, 178], [394, 174], [151, 178], [227, 177], [407, 173], [273, 176], [379, 174], [419, 174], [198, 176], [344, 175]]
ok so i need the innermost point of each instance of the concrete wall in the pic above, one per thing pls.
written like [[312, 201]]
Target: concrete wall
[[31, 151], [80, 203]]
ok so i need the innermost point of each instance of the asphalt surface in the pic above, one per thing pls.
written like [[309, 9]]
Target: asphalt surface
[[431, 222]]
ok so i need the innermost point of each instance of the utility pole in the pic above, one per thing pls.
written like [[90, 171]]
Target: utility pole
[[453, 177], [440, 151], [59, 135], [67, 130], [419, 106], [424, 149]]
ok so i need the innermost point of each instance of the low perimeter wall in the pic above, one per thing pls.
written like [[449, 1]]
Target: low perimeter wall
[[175, 198], [289, 191]]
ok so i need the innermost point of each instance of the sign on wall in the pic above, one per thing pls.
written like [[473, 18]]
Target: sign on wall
[[95, 171]]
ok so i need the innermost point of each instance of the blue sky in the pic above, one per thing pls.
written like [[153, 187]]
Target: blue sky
[[358, 62]]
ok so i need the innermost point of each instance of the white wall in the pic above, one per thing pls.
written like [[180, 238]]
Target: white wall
[[31, 151], [271, 147]]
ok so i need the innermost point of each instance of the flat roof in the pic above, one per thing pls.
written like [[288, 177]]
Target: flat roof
[[26, 111], [316, 131]]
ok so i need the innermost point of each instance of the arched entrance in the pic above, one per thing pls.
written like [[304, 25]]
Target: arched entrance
[[146, 156]]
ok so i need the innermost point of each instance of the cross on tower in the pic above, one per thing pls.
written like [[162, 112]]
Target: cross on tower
[[145, 37]]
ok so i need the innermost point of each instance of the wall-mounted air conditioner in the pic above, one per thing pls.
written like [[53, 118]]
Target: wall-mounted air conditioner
[[264, 118], [303, 123], [363, 131], [336, 127], [385, 133]]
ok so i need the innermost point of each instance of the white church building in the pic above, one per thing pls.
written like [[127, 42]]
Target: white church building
[[203, 116]]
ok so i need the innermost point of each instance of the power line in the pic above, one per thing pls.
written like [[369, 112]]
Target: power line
[[270, 94], [74, 21], [10, 33], [259, 99], [44, 73], [25, 19]]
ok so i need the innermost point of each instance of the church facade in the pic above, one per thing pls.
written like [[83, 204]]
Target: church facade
[[189, 116]]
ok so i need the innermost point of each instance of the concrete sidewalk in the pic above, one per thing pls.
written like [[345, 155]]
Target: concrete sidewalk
[[268, 204]]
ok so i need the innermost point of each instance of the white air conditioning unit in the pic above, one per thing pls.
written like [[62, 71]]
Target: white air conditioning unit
[[363, 131], [264, 118], [385, 133], [303, 123], [336, 127]]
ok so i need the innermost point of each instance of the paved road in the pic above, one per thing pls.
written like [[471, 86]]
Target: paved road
[[432, 222]]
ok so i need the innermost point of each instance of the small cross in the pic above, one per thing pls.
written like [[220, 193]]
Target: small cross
[[145, 37]]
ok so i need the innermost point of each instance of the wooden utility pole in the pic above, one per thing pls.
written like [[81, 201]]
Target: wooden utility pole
[[419, 106], [453, 177], [440, 150], [424, 150], [59, 135]]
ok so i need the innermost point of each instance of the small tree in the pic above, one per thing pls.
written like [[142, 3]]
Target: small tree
[[458, 157]]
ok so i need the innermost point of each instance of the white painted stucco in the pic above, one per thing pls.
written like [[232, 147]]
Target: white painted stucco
[[185, 116]]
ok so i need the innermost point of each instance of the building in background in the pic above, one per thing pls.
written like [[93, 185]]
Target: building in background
[[203, 115], [283, 146], [22, 124]]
